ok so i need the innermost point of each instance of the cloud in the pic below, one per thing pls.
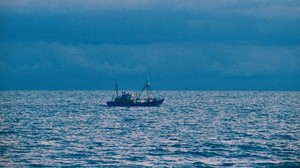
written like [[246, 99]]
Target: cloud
[[186, 62], [272, 9], [69, 59], [81, 6], [148, 26], [165, 60], [133, 39], [267, 8], [255, 60]]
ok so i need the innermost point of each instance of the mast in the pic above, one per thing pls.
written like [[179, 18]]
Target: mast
[[148, 87], [116, 85]]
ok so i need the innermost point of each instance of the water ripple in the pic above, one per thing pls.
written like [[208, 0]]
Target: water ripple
[[191, 128]]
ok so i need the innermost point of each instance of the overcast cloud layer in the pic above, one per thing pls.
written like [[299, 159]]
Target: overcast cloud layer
[[215, 45]]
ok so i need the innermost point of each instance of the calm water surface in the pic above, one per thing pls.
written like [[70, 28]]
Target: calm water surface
[[191, 128]]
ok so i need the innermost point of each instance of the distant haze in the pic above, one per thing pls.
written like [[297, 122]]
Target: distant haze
[[179, 45]]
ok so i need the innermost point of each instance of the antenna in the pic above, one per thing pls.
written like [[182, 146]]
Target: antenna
[[116, 85]]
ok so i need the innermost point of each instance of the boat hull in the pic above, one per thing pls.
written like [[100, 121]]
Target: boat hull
[[135, 104]]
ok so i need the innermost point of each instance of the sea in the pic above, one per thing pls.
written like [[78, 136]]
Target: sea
[[190, 129]]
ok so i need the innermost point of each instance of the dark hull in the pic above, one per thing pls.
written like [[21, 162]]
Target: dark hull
[[136, 104]]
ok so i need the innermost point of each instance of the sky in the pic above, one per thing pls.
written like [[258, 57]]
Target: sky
[[178, 45]]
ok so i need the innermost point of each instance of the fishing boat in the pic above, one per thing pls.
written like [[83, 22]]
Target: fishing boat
[[128, 100]]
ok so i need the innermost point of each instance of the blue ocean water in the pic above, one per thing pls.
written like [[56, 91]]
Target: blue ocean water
[[190, 129]]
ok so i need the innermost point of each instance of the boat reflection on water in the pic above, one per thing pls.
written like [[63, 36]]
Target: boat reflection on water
[[127, 99]]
